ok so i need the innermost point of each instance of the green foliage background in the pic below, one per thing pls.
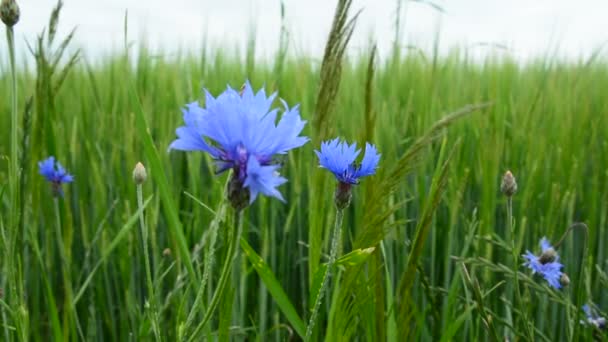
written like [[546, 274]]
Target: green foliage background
[[547, 122]]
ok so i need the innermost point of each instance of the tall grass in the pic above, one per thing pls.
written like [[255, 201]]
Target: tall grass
[[442, 247]]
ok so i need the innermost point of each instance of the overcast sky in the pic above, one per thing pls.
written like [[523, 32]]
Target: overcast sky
[[527, 27]]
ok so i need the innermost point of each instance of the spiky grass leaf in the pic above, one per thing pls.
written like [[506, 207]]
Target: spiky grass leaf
[[438, 187], [387, 182]]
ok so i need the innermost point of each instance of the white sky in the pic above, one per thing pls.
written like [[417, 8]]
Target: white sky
[[527, 27]]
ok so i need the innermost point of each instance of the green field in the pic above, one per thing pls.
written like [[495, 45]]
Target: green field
[[443, 264]]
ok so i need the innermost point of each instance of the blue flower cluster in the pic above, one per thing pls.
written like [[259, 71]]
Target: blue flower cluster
[[239, 130], [593, 318], [547, 264]]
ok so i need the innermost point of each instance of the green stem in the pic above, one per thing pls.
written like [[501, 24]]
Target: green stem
[[150, 284], [14, 272], [226, 271], [209, 261], [580, 280], [65, 267], [330, 264], [514, 252], [14, 170]]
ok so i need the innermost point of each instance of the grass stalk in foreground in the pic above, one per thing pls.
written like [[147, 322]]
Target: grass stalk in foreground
[[69, 313], [14, 166], [139, 176], [330, 264], [14, 180], [209, 261], [529, 332], [234, 235], [509, 187]]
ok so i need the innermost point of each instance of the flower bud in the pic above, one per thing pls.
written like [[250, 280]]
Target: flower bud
[[343, 195], [9, 12], [564, 280], [547, 256], [139, 173], [508, 186], [167, 252]]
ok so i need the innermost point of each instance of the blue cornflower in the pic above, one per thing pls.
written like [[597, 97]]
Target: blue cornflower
[[55, 173], [240, 131], [339, 158], [547, 264], [593, 318]]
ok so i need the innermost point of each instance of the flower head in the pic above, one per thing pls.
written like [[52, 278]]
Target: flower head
[[339, 158], [546, 264], [9, 12], [241, 132], [593, 318], [139, 173], [508, 186], [55, 173]]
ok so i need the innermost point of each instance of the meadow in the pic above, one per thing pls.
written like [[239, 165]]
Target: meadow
[[427, 249]]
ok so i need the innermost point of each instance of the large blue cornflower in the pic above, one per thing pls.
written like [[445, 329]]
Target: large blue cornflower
[[339, 158], [546, 264], [240, 131], [55, 173]]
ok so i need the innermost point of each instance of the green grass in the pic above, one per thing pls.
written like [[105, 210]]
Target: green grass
[[547, 123]]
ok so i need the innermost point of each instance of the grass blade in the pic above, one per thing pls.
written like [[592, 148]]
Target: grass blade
[[275, 289]]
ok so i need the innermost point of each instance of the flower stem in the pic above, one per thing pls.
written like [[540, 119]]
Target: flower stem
[[233, 238], [65, 267], [330, 264], [14, 169], [511, 228], [14, 273], [150, 284], [209, 261], [580, 280]]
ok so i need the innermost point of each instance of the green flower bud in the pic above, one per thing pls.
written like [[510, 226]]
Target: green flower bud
[[508, 185], [139, 173], [9, 12]]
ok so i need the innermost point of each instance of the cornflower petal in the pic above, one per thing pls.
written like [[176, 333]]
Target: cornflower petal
[[263, 179], [551, 271]]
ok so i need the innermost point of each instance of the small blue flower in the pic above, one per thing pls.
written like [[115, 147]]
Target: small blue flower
[[55, 173], [240, 132], [547, 264], [593, 318], [339, 158]]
